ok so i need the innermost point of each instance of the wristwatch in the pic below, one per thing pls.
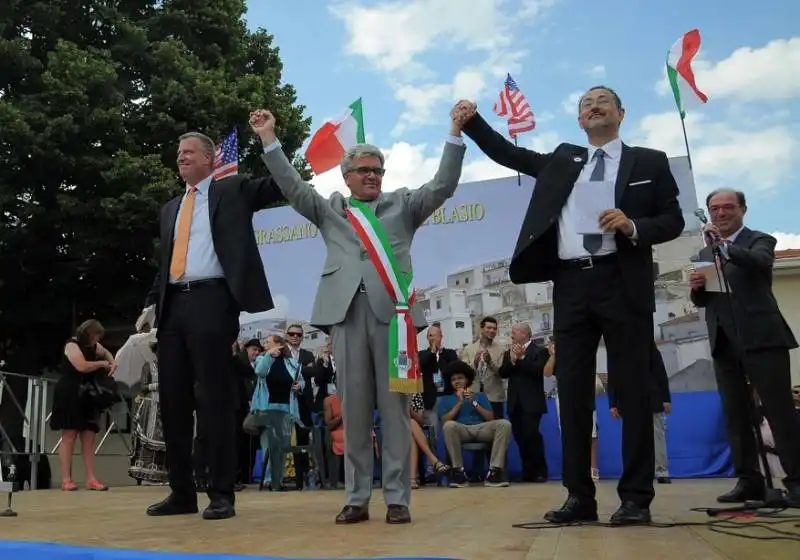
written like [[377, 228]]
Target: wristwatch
[[474, 404]]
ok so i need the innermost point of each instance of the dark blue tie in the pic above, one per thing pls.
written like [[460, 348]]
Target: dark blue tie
[[593, 241]]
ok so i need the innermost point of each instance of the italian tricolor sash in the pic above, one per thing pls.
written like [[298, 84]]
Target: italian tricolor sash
[[404, 375]]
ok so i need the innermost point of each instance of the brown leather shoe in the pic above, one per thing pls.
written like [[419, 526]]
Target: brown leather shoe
[[352, 514], [397, 515]]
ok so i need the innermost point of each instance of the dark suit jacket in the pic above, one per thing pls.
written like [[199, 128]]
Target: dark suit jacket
[[322, 375], [232, 201], [645, 191], [428, 365], [306, 403], [658, 381], [756, 315], [526, 380]]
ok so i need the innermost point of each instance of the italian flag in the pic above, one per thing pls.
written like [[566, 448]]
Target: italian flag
[[327, 147], [680, 74]]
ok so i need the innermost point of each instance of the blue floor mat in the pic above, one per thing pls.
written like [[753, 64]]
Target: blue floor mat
[[10, 550]]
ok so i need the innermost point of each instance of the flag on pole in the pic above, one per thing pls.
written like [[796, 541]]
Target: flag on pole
[[680, 73], [226, 159], [513, 105], [329, 143]]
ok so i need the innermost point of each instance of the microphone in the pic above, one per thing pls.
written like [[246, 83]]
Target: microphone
[[700, 214], [711, 239]]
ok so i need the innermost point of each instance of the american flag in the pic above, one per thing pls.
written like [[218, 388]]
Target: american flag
[[513, 105], [226, 160]]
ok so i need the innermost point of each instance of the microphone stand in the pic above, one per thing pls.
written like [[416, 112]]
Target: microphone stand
[[773, 497], [8, 487]]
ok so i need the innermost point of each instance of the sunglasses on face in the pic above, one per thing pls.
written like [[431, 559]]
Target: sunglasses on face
[[294, 334]]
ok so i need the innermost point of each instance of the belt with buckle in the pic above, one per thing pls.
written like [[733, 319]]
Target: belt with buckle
[[186, 287], [586, 263]]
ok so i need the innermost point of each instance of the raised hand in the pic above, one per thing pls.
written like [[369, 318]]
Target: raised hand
[[263, 124]]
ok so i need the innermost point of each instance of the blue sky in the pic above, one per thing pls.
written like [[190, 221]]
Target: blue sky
[[411, 60]]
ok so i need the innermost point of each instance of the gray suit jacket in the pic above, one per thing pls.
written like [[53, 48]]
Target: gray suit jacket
[[401, 213]]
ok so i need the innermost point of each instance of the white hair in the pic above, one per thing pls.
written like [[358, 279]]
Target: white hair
[[360, 151]]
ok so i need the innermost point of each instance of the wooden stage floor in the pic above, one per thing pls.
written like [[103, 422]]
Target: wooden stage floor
[[471, 523]]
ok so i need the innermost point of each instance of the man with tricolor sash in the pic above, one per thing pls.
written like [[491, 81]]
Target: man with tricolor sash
[[365, 301]]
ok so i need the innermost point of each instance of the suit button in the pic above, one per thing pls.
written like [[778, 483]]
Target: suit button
[[364, 255]]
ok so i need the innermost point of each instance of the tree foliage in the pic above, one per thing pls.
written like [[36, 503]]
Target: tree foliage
[[93, 96]]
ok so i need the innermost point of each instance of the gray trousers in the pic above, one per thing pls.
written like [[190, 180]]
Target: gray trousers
[[361, 351], [660, 437]]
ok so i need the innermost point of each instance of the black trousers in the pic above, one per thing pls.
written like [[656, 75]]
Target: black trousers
[[525, 427], [590, 303], [768, 371], [196, 332]]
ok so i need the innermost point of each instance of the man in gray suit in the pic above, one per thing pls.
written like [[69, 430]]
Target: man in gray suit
[[364, 301]]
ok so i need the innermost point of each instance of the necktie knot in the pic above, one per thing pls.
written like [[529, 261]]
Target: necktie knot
[[599, 153]]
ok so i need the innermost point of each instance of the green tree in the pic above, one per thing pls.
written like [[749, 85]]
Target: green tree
[[93, 95]]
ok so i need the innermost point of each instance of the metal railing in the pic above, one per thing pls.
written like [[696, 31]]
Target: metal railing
[[35, 413]]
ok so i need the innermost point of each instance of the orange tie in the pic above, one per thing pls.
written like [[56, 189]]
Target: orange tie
[[180, 249]]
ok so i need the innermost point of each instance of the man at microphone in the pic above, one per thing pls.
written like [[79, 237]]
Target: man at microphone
[[750, 341]]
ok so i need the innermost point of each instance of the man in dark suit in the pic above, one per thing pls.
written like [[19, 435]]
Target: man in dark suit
[[523, 366], [432, 362], [750, 342], [294, 338], [661, 402], [209, 271], [603, 282]]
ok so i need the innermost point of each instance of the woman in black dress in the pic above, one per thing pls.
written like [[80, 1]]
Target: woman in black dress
[[73, 414]]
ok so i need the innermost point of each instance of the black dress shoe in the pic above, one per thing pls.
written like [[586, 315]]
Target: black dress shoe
[[397, 515], [630, 514], [664, 480], [574, 510], [793, 497], [173, 505], [744, 491], [219, 510], [352, 514]]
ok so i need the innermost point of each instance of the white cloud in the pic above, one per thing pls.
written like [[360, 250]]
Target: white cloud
[[765, 73], [786, 240], [746, 158], [597, 71], [394, 35], [570, 103]]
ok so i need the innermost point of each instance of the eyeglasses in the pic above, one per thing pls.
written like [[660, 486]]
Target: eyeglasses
[[364, 171], [294, 334]]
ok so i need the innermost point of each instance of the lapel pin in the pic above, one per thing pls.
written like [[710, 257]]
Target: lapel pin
[[577, 159]]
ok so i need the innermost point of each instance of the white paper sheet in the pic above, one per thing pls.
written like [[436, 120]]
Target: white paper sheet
[[712, 275], [591, 198]]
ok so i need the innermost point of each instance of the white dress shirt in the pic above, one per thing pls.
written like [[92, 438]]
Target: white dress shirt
[[570, 242], [202, 262]]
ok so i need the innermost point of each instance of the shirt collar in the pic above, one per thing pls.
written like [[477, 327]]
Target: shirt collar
[[613, 149], [203, 186], [732, 238]]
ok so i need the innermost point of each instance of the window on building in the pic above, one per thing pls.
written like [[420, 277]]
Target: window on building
[[314, 336], [457, 282], [466, 280], [459, 324], [438, 303]]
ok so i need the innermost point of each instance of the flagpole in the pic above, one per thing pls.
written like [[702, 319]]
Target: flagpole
[[686, 140], [519, 177]]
